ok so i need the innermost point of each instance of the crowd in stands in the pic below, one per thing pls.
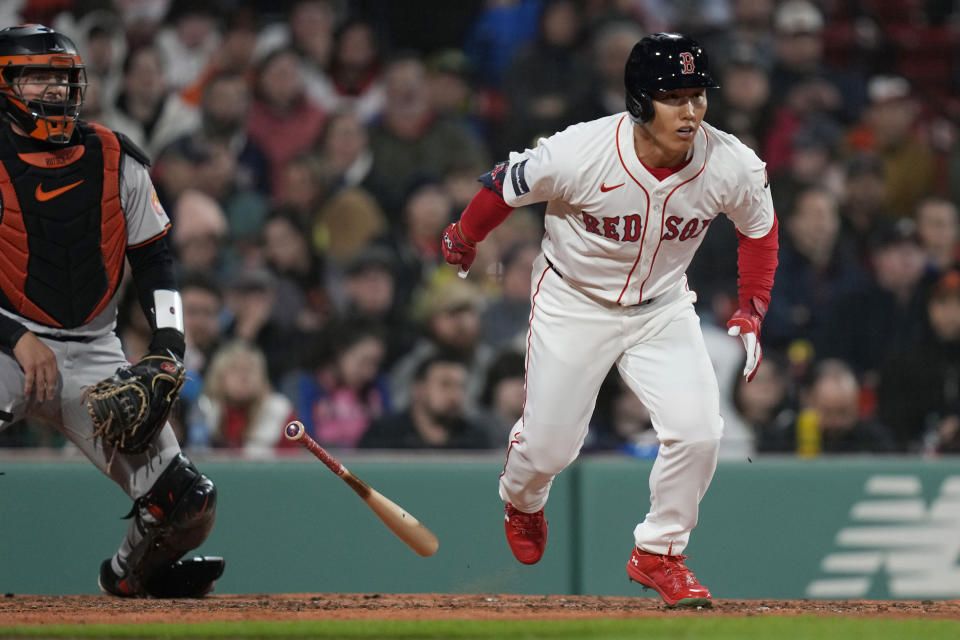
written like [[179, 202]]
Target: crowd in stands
[[311, 152]]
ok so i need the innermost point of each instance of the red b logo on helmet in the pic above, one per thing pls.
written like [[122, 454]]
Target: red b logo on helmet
[[686, 63]]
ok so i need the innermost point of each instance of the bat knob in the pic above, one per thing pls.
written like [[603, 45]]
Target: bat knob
[[294, 430]]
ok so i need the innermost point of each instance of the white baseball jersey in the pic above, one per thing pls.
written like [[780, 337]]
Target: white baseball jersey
[[616, 231], [616, 235]]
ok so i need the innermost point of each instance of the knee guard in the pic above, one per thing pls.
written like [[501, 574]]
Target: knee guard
[[173, 517]]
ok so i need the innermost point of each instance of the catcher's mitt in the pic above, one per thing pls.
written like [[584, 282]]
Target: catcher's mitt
[[129, 407]]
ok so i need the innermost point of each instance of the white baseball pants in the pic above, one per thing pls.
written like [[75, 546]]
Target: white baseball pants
[[658, 348]]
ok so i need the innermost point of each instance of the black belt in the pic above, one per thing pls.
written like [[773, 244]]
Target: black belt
[[550, 264], [556, 271], [66, 338]]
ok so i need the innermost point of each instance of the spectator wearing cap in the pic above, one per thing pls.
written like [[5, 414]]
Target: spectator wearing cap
[[256, 317], [804, 85], [867, 325], [799, 45], [938, 229], [919, 392], [449, 313], [889, 127]]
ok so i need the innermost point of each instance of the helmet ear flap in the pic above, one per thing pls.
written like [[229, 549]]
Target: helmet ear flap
[[640, 107]]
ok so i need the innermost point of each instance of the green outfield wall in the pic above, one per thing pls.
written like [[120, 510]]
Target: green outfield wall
[[774, 528]]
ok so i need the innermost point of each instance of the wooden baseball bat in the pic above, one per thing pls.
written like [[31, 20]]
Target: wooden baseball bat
[[401, 523]]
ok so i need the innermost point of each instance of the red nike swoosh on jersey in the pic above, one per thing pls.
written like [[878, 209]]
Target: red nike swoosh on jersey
[[43, 196], [605, 188]]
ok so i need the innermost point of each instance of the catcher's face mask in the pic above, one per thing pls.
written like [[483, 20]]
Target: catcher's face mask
[[42, 82]]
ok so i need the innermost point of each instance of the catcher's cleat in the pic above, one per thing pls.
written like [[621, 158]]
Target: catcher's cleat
[[668, 576], [526, 534], [113, 585], [193, 578]]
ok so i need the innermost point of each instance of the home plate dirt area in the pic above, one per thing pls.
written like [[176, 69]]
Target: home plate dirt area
[[38, 610]]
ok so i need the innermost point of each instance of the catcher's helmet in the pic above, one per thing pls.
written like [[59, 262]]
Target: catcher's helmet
[[663, 62], [30, 48]]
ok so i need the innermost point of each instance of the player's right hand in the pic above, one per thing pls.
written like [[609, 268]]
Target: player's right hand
[[456, 248], [745, 322], [39, 366]]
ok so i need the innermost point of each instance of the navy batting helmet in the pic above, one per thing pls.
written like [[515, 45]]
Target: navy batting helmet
[[663, 62], [33, 48]]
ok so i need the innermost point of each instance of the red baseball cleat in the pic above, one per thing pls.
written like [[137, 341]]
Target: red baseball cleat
[[526, 534], [668, 576]]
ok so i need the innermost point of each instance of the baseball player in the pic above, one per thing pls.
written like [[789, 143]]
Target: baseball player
[[76, 201], [629, 199]]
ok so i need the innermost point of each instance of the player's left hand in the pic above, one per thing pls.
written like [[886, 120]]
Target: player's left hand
[[39, 366], [456, 248], [746, 324]]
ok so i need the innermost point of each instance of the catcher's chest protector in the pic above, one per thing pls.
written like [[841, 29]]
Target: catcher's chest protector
[[62, 230]]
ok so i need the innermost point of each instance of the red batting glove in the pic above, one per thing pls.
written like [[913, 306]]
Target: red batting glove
[[456, 248], [746, 324]]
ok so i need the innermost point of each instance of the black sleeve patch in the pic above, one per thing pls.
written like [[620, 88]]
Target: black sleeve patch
[[493, 179], [131, 149], [519, 182]]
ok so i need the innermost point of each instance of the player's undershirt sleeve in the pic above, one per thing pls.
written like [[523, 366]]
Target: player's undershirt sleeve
[[487, 209], [756, 265], [10, 331]]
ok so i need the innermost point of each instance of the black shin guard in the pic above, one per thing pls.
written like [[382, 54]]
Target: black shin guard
[[175, 516]]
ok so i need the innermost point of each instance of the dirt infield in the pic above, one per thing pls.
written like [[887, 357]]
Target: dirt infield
[[39, 610]]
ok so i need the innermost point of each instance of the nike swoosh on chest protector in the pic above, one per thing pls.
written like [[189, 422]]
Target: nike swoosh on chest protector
[[43, 196]]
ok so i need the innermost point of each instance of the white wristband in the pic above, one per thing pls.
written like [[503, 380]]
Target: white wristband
[[168, 309]]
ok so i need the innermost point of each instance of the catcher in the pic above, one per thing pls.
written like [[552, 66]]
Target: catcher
[[76, 201]]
